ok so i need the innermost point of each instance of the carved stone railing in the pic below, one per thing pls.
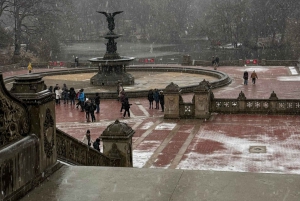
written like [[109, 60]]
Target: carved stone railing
[[71, 150], [256, 106], [187, 110], [240, 105]]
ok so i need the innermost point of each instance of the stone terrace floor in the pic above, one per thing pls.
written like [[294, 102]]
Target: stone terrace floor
[[220, 143]]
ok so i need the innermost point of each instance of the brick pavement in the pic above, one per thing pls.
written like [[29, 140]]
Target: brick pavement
[[221, 143]]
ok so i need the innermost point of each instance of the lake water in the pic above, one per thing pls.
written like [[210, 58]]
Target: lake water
[[162, 53]]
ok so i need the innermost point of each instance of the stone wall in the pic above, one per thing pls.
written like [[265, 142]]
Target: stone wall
[[242, 62]]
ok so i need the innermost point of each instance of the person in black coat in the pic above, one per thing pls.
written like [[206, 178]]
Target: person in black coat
[[87, 108], [150, 98], [92, 110], [162, 100], [97, 102], [245, 77], [126, 107], [96, 144], [72, 95]]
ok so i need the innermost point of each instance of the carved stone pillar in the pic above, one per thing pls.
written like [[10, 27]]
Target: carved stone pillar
[[201, 100], [117, 143], [32, 90], [172, 99]]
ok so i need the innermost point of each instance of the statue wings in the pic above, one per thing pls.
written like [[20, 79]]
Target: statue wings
[[107, 14]]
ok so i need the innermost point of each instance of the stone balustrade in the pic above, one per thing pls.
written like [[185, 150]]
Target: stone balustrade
[[72, 151], [240, 105]]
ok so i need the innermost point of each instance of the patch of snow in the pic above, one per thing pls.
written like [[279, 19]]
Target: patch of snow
[[165, 126]]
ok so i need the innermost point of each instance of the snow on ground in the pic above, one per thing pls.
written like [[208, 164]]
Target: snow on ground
[[281, 156]]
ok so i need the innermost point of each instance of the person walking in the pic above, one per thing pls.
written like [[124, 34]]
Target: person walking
[[72, 95], [92, 110], [65, 94], [87, 138], [58, 93], [97, 103], [126, 108], [119, 89], [156, 98], [245, 77], [29, 67], [87, 108], [150, 98], [77, 97], [162, 100], [254, 77], [217, 60], [96, 144], [76, 62], [122, 98], [81, 98]]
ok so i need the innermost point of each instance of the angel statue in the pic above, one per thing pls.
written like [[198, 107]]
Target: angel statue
[[110, 19]]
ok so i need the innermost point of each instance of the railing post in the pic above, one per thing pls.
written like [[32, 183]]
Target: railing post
[[273, 102], [202, 100], [171, 99], [242, 102], [117, 144]]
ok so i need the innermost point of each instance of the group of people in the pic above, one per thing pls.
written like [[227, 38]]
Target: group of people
[[253, 77], [86, 105], [157, 97], [88, 140]]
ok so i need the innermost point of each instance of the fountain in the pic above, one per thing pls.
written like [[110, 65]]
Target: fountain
[[111, 67]]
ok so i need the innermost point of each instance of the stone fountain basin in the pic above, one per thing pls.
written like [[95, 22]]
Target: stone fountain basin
[[123, 60]]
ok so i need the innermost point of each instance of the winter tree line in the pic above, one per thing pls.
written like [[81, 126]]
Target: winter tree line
[[44, 24]]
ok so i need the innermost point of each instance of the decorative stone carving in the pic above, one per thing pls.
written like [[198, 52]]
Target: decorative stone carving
[[14, 117], [202, 103], [273, 96], [172, 88], [241, 96], [203, 86], [48, 131]]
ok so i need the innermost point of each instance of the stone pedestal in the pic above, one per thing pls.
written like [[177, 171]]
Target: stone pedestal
[[32, 90], [201, 99], [172, 98], [117, 143]]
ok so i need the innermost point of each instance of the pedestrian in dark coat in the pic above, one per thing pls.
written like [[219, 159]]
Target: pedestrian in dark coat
[[126, 107], [96, 144], [122, 98], [162, 100], [156, 98], [72, 95], [65, 94], [92, 110], [97, 102], [245, 77], [150, 98], [87, 106]]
